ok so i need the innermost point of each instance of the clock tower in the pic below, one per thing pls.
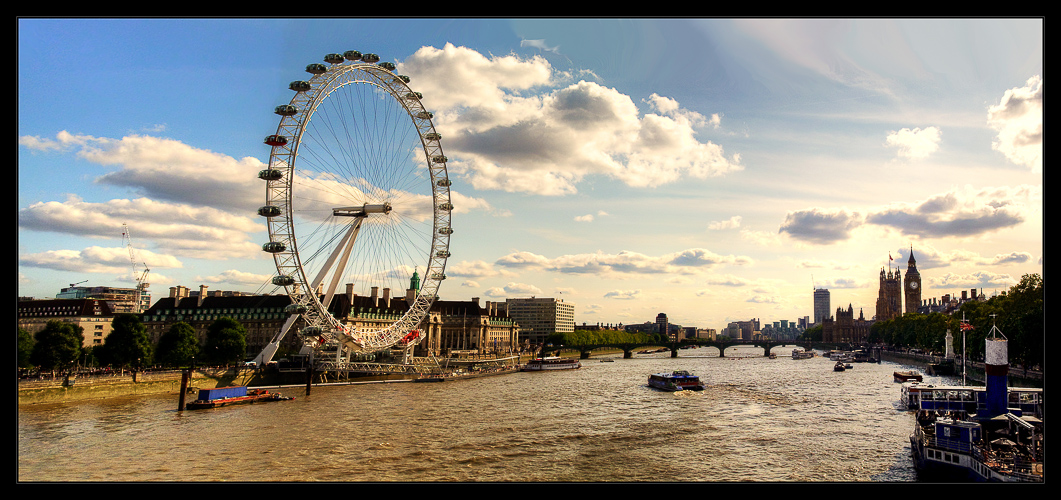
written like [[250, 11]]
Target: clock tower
[[912, 286]]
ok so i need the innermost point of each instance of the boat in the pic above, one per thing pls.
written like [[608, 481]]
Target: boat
[[678, 380], [918, 395], [226, 396], [798, 354], [551, 363], [988, 439], [839, 366], [907, 375], [772, 356]]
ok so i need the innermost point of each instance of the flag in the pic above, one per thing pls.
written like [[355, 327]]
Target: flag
[[967, 326]]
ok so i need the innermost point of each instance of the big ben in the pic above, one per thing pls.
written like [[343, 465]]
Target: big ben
[[912, 286]]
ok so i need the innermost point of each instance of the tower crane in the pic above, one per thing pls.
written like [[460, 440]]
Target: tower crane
[[141, 278]]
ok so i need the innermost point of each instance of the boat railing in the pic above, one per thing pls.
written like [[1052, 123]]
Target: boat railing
[[1012, 463]]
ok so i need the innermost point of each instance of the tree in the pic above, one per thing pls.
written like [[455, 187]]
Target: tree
[[57, 346], [178, 346], [128, 343], [226, 341], [25, 348]]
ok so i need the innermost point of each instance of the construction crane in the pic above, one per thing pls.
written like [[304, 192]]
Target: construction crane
[[141, 278]]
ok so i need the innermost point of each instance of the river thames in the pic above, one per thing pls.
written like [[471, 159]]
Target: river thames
[[759, 420]]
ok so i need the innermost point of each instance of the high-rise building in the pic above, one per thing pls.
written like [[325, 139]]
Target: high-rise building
[[538, 318], [821, 305], [662, 325]]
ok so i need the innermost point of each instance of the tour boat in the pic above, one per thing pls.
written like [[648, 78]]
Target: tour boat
[[225, 396], [678, 380], [907, 375], [551, 363], [798, 354], [987, 439]]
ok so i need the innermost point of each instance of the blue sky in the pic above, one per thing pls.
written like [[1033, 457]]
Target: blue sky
[[711, 169]]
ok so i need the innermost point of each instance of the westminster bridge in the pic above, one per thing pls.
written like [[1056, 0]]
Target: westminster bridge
[[629, 349]]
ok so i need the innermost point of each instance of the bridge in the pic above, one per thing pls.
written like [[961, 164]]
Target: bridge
[[630, 348]]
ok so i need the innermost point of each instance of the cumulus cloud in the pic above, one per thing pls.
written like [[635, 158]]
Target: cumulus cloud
[[1018, 119], [510, 125], [513, 289], [914, 144], [165, 169], [171, 228], [821, 226], [960, 212], [625, 262], [96, 260], [623, 294], [731, 223]]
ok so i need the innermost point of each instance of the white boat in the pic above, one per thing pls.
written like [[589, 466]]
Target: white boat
[[798, 354], [551, 363], [678, 380]]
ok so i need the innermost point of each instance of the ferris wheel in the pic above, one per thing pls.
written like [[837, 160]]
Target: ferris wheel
[[357, 200]]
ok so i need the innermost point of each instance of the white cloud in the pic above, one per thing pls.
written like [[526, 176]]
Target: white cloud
[[506, 127], [915, 144], [731, 223], [1018, 118], [624, 262]]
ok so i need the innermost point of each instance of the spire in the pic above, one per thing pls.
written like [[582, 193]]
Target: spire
[[912, 262]]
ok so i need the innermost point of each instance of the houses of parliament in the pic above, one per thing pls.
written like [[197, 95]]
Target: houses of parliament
[[844, 327]]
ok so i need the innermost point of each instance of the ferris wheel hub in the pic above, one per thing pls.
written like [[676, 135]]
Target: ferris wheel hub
[[362, 211]]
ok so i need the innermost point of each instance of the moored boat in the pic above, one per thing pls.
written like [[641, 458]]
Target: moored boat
[[226, 396], [551, 363], [999, 442], [678, 380], [907, 375], [839, 366]]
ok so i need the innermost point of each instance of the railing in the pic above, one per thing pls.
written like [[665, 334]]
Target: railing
[[1020, 465]]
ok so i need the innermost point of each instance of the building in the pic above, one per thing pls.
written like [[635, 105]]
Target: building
[[538, 318], [821, 305], [845, 328], [912, 285], [663, 326], [262, 316], [451, 327], [121, 300], [94, 316], [889, 295], [744, 330], [466, 328]]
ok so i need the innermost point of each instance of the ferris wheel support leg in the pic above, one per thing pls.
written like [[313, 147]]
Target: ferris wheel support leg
[[267, 353], [346, 247]]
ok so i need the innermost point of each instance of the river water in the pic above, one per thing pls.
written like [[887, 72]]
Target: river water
[[760, 420]]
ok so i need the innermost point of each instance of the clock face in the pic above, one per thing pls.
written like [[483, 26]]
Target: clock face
[[913, 285]]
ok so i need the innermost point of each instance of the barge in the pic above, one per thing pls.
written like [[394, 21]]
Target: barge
[[226, 396]]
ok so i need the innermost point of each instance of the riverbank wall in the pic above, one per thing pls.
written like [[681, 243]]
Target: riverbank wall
[[71, 389], [974, 371]]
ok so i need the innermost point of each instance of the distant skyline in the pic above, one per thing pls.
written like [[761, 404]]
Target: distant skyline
[[714, 170]]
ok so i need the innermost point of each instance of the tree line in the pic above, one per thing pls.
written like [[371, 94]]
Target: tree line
[[598, 337], [1017, 313], [59, 346]]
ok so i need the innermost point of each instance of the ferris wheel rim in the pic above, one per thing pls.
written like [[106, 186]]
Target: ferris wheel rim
[[284, 158]]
